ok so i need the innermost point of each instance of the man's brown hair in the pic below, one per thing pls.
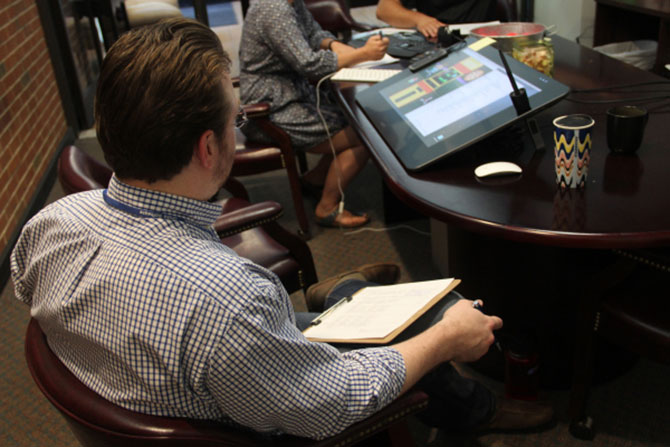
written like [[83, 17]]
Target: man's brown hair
[[159, 90]]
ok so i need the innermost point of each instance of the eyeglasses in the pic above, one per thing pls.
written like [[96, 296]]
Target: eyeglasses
[[241, 119]]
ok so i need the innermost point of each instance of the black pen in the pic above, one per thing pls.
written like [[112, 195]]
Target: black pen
[[480, 307]]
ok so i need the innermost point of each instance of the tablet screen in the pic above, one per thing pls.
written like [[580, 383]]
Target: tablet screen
[[451, 104]]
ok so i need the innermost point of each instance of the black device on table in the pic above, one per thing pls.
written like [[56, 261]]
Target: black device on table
[[453, 102], [412, 44], [447, 42], [403, 45]]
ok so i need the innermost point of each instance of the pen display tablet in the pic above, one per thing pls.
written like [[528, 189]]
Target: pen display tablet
[[452, 103]]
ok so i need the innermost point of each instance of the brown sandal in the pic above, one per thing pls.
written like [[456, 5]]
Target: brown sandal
[[331, 219]]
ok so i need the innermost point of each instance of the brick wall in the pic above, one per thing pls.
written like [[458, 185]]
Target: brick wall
[[32, 121]]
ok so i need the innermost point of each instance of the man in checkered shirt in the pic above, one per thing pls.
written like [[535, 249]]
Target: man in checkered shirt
[[140, 300]]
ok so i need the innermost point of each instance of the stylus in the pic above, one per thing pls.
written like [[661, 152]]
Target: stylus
[[522, 105], [509, 73]]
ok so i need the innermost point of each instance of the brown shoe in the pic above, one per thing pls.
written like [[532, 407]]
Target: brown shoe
[[514, 414], [379, 273]]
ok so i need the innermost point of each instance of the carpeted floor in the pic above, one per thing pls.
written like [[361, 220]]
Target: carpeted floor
[[630, 411]]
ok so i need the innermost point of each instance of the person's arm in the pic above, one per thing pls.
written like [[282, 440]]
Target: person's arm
[[282, 33], [464, 334], [374, 49], [264, 374], [395, 14]]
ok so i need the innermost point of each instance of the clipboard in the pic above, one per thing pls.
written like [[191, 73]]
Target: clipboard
[[379, 313]]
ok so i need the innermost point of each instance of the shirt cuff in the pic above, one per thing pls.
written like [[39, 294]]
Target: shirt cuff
[[387, 368]]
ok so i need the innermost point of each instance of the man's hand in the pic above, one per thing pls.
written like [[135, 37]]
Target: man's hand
[[428, 26], [395, 14], [463, 334], [470, 331], [375, 47]]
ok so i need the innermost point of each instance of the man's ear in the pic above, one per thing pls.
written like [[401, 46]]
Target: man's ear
[[205, 149]]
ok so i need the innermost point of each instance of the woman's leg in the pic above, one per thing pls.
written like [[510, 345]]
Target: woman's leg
[[351, 156]]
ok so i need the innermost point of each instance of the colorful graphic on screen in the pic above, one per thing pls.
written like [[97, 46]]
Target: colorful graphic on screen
[[452, 95], [445, 80]]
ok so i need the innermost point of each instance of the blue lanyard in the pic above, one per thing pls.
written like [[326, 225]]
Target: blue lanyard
[[146, 214], [139, 212]]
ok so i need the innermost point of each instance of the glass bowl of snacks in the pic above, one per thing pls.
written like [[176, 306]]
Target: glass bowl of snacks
[[539, 55], [511, 34]]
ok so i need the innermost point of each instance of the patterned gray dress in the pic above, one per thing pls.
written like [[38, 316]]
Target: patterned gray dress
[[279, 56]]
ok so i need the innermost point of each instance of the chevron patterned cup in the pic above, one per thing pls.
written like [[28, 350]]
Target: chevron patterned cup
[[572, 149]]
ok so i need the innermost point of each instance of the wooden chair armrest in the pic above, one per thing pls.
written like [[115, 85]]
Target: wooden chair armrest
[[257, 110], [409, 403], [298, 248], [250, 216]]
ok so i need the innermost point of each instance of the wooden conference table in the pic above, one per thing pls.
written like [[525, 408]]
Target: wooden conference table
[[624, 204], [529, 250]]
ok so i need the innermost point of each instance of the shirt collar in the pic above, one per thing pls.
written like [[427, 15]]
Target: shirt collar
[[197, 212]]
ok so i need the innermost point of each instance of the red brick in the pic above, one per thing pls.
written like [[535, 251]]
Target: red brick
[[32, 120]]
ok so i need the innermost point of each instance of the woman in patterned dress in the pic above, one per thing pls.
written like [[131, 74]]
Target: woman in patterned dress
[[283, 53]]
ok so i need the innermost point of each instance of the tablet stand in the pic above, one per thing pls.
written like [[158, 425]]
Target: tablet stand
[[522, 105]]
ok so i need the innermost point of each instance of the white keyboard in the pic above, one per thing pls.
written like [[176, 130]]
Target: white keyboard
[[364, 74]]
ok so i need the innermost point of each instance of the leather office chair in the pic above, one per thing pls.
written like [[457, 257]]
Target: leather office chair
[[97, 422], [334, 16], [249, 229], [632, 313], [253, 157]]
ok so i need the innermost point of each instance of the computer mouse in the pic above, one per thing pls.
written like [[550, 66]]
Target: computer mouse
[[497, 168]]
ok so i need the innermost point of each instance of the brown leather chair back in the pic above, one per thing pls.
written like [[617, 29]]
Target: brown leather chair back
[[332, 15], [97, 422], [266, 242], [78, 171]]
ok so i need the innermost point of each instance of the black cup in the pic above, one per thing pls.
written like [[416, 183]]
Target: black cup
[[625, 128]]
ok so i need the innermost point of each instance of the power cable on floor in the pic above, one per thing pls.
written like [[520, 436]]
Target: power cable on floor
[[380, 230]]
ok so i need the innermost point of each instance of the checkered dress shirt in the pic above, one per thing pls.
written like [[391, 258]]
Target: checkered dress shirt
[[152, 312]]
